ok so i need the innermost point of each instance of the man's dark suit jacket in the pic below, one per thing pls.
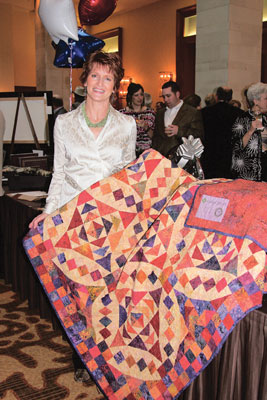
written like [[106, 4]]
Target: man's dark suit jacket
[[189, 121], [218, 121]]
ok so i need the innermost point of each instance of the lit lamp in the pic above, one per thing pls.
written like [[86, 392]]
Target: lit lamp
[[125, 82], [165, 77]]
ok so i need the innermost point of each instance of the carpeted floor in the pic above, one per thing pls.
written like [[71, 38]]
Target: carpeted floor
[[35, 362]]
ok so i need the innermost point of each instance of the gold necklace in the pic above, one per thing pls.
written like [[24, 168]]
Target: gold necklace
[[91, 124]]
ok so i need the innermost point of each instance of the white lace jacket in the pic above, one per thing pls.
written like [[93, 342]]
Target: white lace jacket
[[80, 159]]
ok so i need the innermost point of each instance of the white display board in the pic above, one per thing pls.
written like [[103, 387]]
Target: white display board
[[38, 111]]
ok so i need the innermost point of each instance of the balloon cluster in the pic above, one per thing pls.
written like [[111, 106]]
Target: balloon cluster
[[76, 51], [72, 44]]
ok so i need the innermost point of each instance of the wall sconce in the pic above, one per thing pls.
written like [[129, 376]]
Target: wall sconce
[[165, 77], [125, 82]]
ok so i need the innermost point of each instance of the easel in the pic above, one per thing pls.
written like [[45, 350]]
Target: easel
[[21, 97]]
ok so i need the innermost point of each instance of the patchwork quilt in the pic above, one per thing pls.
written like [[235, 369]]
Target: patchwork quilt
[[149, 271]]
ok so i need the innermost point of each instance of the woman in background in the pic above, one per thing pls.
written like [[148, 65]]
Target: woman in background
[[144, 117], [250, 137]]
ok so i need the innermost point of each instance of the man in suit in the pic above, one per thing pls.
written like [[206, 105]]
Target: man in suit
[[175, 121], [218, 120]]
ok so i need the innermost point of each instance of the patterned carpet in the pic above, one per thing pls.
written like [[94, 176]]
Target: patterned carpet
[[35, 362]]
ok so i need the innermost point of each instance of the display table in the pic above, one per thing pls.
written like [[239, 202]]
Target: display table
[[15, 268], [239, 371]]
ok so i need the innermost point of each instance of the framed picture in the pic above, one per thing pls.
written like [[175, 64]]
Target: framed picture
[[21, 121], [112, 39]]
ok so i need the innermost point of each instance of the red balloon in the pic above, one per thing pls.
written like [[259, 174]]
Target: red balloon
[[93, 12]]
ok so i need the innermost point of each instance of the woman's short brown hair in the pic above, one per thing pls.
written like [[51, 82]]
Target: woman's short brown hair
[[111, 60]]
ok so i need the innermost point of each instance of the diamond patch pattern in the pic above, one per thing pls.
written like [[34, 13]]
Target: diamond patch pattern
[[146, 300]]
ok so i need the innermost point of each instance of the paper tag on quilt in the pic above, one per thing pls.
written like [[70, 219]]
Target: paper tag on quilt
[[212, 208]]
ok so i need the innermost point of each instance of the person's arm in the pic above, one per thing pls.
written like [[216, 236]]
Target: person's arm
[[150, 123], [34, 223], [150, 133], [256, 124], [194, 127], [128, 153], [54, 193]]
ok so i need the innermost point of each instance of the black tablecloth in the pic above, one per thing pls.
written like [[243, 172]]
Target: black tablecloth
[[15, 267]]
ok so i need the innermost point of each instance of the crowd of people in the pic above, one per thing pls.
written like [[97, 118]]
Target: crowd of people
[[235, 140]]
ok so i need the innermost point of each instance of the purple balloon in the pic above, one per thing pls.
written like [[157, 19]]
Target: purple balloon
[[80, 49], [93, 12]]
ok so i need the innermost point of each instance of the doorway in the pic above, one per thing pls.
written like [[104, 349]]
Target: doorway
[[185, 51]]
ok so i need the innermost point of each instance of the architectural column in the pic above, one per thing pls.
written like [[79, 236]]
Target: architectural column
[[228, 45], [49, 77]]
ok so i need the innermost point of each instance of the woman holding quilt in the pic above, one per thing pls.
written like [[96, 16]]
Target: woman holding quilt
[[91, 143]]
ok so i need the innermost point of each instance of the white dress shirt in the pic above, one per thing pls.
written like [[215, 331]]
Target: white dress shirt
[[170, 113], [81, 159]]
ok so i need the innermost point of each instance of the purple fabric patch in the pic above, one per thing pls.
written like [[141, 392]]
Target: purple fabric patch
[[168, 302], [187, 196], [121, 260], [57, 219], [129, 201], [118, 194]]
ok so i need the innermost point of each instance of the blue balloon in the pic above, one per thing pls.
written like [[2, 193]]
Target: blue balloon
[[80, 49]]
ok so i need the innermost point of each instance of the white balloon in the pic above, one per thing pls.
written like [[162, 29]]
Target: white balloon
[[59, 19]]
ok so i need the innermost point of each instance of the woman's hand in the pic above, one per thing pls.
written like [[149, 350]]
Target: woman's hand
[[140, 123], [255, 125], [37, 219]]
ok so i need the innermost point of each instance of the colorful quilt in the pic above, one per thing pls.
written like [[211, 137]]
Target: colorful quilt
[[148, 273]]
